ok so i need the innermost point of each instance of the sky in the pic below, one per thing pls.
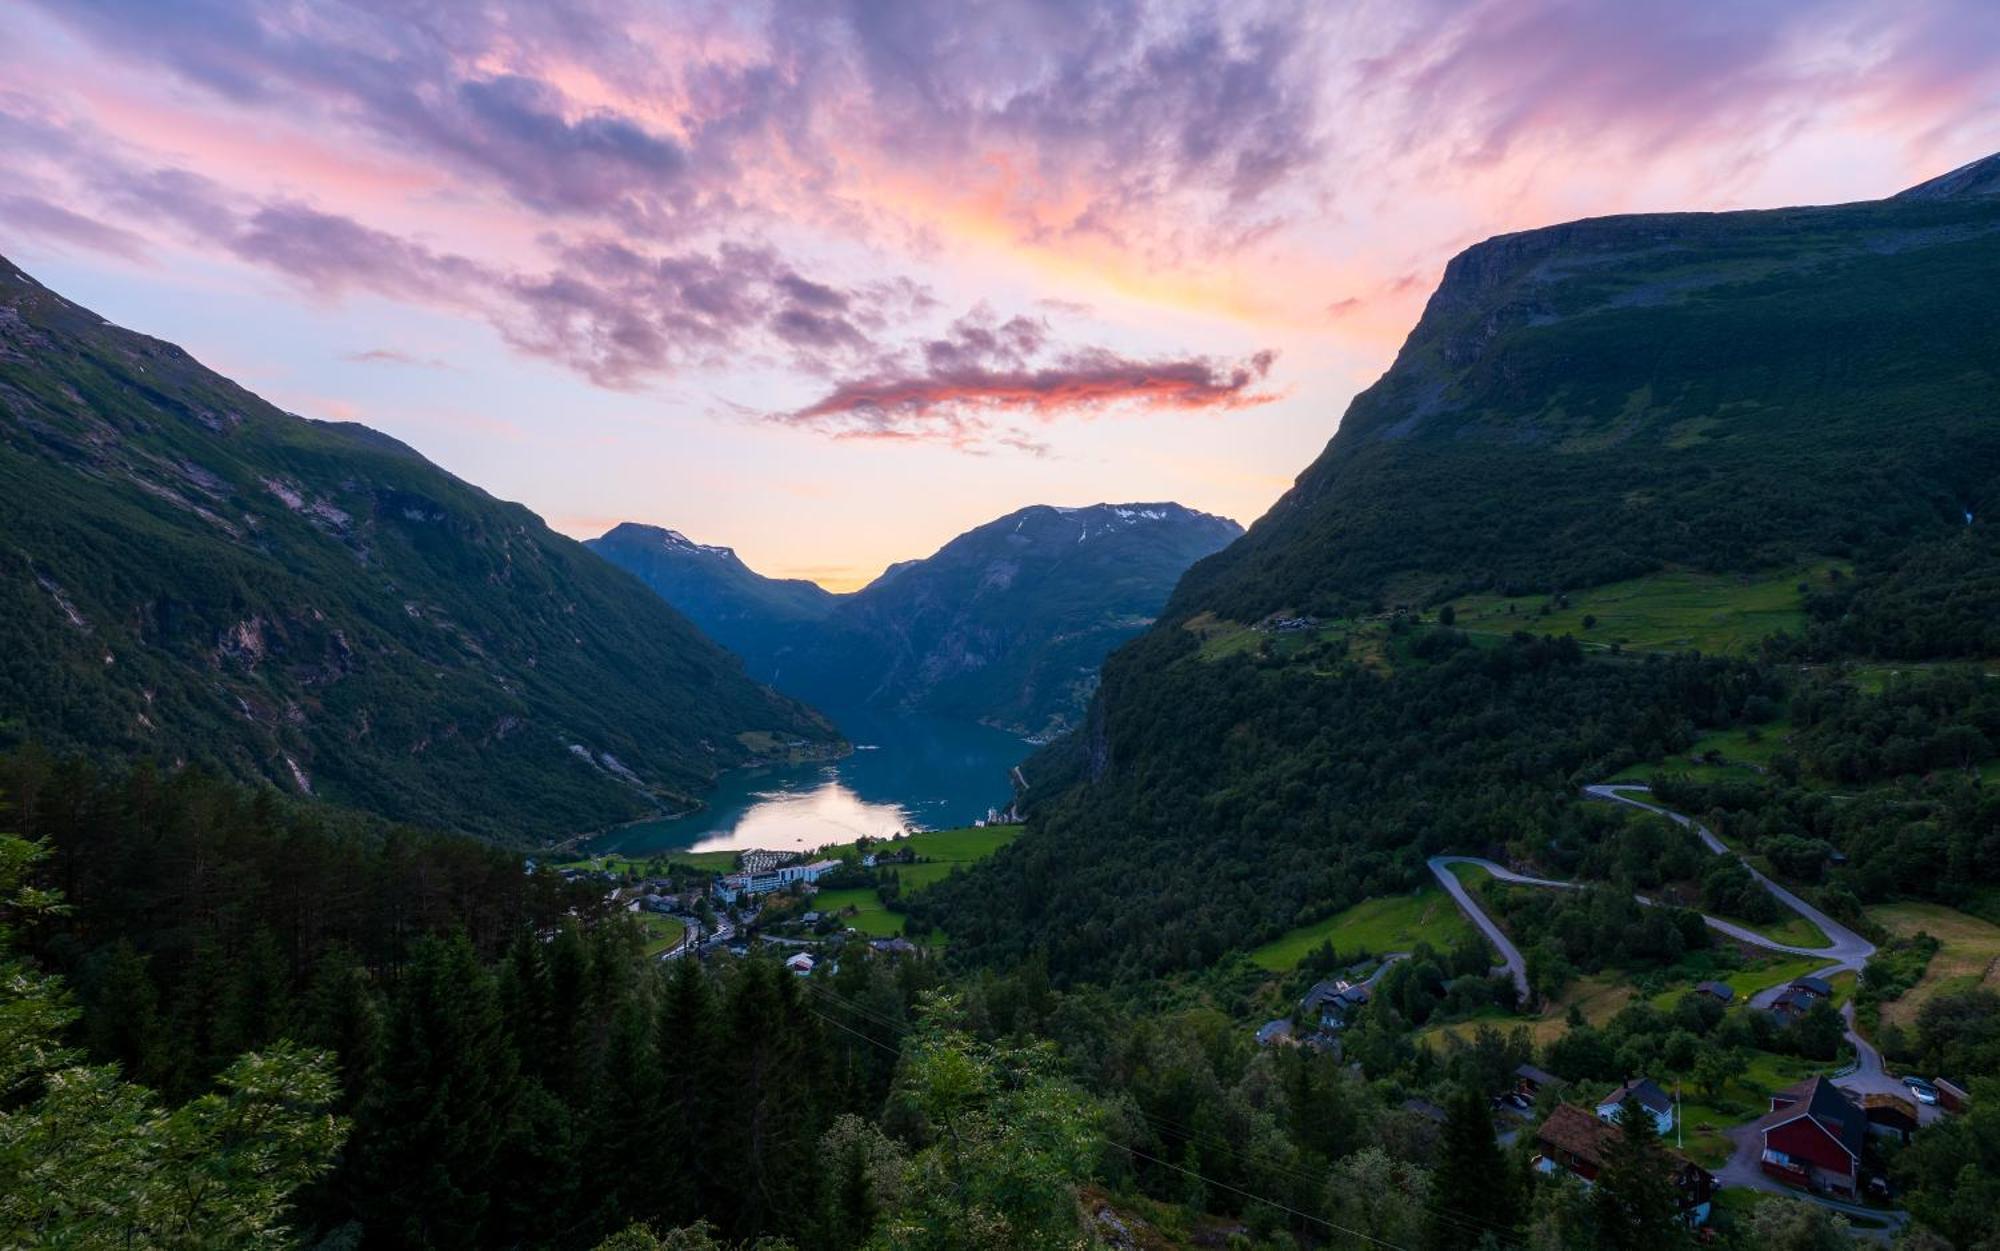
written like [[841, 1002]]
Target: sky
[[831, 282]]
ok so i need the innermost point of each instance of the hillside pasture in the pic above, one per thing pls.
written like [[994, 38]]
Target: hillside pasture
[[1393, 923]]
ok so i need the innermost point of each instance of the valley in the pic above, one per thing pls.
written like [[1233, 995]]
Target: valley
[[1564, 819]]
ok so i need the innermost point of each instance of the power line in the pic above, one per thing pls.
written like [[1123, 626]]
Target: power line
[[1306, 1216]]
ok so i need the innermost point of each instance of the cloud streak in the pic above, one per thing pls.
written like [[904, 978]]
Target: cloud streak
[[962, 388]]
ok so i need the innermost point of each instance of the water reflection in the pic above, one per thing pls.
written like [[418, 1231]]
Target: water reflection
[[906, 771]]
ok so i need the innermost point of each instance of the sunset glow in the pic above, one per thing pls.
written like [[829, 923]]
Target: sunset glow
[[830, 284]]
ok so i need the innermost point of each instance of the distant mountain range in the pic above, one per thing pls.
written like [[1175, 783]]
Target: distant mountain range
[[1005, 624], [189, 574]]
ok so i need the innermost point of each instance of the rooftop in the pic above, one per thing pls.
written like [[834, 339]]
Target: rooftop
[[1825, 1103], [1645, 1090]]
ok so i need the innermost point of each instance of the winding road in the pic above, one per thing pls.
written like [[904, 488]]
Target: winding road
[[1847, 951]]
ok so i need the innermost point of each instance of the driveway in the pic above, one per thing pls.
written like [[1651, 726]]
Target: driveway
[[1745, 1170]]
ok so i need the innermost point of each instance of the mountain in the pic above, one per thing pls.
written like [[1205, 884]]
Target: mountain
[[754, 616], [1006, 623], [1614, 449], [1596, 400], [190, 574]]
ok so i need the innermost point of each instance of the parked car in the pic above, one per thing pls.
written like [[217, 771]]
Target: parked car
[[1923, 1090]]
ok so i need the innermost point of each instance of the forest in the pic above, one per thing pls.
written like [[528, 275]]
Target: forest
[[495, 1066]]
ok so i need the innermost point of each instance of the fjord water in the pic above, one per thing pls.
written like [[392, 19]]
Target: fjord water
[[905, 771]]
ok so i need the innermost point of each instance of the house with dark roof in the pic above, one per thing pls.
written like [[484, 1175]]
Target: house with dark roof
[[1814, 986], [1573, 1141], [1793, 1003], [1530, 1081], [1274, 1033], [1323, 1002], [1722, 992], [1813, 1136], [1649, 1096]]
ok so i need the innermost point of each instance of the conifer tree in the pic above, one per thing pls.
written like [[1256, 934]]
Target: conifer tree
[[1637, 1209], [690, 1098], [443, 1092], [1474, 1190]]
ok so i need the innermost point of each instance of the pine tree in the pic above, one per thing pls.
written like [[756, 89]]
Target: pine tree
[[628, 1154], [444, 1087], [1473, 1190], [690, 1096], [1637, 1208], [770, 1125], [340, 1012], [123, 1024]]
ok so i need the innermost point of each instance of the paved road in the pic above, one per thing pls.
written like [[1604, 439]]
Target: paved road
[[1849, 950], [1510, 955]]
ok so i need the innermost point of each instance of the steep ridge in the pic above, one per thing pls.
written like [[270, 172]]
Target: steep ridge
[[1719, 395], [1006, 623], [752, 615], [1591, 401], [190, 574]]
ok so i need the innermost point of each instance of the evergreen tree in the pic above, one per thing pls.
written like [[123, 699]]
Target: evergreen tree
[[341, 1013], [690, 1099], [1473, 1188], [90, 1160], [123, 1024], [628, 1153], [444, 1088], [1637, 1207], [768, 1084]]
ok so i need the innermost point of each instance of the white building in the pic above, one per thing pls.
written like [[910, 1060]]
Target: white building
[[807, 872], [801, 964], [1650, 1097]]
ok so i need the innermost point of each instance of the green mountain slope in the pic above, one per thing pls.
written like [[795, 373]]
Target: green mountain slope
[[188, 573], [1591, 401], [1006, 624], [1800, 405]]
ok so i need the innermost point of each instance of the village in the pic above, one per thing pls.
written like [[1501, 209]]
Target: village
[[1822, 1137], [1823, 1130], [814, 905]]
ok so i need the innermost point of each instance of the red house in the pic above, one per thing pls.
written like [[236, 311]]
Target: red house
[[1813, 1137]]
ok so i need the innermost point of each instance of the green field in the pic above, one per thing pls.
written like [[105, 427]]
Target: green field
[[1397, 923], [1744, 754], [1969, 957], [943, 851], [1704, 1125], [870, 917], [618, 862], [662, 933], [1774, 972], [1669, 611], [1793, 930]]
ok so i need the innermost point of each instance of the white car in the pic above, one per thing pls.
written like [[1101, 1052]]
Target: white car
[[1923, 1090]]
